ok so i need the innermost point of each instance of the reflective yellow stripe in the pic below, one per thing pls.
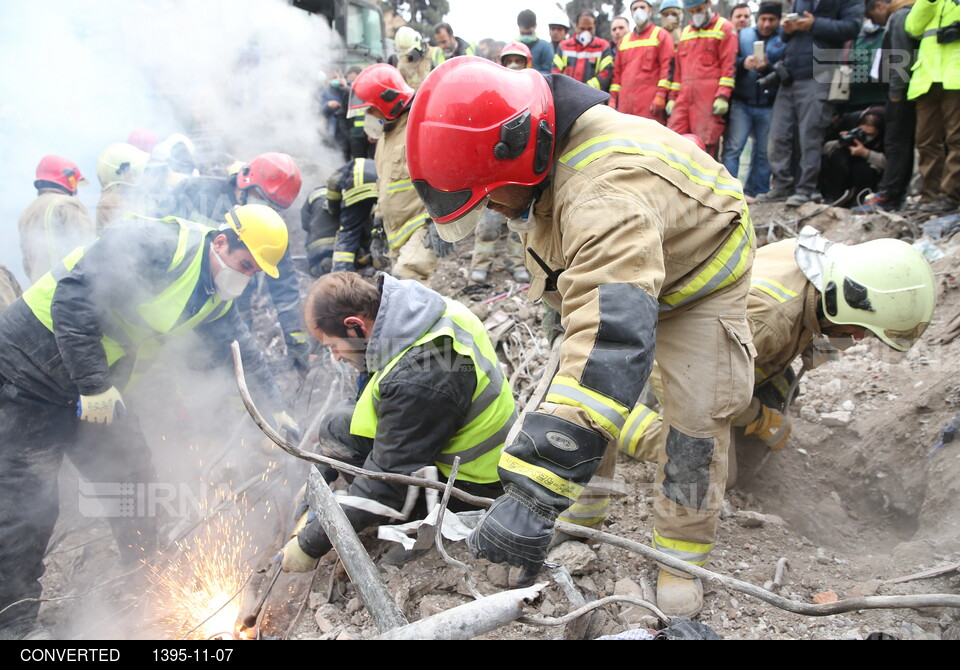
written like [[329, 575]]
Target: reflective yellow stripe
[[606, 412], [698, 34], [399, 186], [586, 515], [600, 146], [594, 82], [333, 195], [344, 257], [772, 288], [640, 43], [322, 242], [313, 196], [541, 476], [358, 172], [691, 552], [398, 238], [725, 268], [726, 81], [641, 417], [731, 261], [674, 85], [663, 83], [358, 193], [559, 62], [614, 88], [605, 63]]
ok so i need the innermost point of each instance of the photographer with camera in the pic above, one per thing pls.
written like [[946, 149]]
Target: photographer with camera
[[814, 33], [935, 85], [760, 49], [854, 162]]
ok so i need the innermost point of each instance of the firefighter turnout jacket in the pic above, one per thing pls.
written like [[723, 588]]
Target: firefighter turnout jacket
[[704, 71], [351, 195], [641, 72], [53, 225]]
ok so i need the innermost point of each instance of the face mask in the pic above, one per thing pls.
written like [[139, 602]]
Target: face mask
[[373, 127], [585, 37], [528, 39], [335, 83], [869, 27], [641, 16], [700, 20], [525, 223], [230, 283], [516, 66]]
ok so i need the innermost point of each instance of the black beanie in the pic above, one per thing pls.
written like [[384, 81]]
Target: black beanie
[[773, 8]]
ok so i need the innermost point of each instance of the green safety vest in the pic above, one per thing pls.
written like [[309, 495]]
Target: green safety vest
[[936, 63], [143, 331], [479, 441]]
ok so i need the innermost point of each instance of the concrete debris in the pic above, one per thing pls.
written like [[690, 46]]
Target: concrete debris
[[837, 419], [809, 414], [578, 558], [825, 597], [749, 519]]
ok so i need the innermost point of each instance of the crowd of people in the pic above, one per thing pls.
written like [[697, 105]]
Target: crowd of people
[[826, 95], [642, 137]]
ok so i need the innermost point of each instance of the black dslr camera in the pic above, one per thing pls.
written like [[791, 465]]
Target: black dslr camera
[[948, 34], [853, 136], [780, 75]]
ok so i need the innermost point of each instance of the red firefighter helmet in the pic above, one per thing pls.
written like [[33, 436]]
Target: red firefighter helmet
[[60, 171], [380, 86], [275, 175], [516, 49], [476, 126], [143, 139]]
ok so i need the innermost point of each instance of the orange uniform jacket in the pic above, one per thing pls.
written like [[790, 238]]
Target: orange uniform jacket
[[704, 70], [641, 72]]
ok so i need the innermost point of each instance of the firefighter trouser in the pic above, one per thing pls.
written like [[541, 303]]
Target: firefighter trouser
[[485, 245], [34, 436], [706, 364], [353, 234], [414, 261]]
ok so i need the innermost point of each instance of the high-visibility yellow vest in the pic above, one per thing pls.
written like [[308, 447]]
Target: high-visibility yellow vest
[[479, 441], [143, 331]]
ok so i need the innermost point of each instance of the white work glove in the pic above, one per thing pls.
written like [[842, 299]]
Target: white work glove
[[285, 422], [101, 407], [296, 559]]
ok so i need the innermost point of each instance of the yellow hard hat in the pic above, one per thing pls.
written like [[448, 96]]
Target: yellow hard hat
[[263, 232]]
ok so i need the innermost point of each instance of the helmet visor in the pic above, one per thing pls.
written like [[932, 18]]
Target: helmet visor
[[904, 339], [357, 105], [456, 230]]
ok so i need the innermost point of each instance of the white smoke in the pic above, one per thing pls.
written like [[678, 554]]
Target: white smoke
[[237, 76]]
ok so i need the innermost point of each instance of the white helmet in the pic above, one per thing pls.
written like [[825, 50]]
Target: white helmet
[[121, 163], [406, 40], [176, 152], [885, 286]]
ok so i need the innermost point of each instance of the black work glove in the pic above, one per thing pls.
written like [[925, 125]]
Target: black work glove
[[518, 527], [441, 247], [379, 248], [516, 530]]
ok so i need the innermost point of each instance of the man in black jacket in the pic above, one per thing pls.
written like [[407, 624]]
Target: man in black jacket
[[431, 389], [72, 341], [801, 112]]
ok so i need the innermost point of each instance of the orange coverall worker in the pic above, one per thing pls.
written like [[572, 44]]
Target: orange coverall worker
[[641, 73], [703, 71]]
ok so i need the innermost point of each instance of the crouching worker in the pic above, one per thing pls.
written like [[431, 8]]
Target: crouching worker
[[803, 289], [431, 389]]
